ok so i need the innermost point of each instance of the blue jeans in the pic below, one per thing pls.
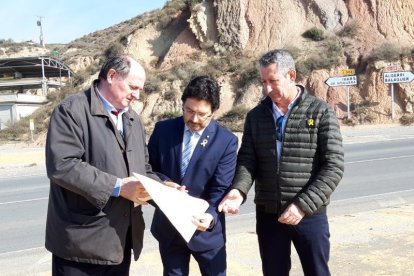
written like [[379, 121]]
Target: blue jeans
[[310, 238]]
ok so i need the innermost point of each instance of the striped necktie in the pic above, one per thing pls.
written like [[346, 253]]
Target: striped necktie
[[187, 150]]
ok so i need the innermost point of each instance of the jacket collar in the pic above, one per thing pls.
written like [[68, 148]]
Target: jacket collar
[[97, 107], [268, 102]]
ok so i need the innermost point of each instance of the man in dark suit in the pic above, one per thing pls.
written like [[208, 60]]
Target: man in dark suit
[[199, 154], [94, 143]]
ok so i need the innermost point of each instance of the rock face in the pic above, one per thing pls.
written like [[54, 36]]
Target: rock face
[[252, 27], [259, 25], [232, 27]]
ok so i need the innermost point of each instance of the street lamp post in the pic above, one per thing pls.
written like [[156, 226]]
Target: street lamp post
[[39, 23]]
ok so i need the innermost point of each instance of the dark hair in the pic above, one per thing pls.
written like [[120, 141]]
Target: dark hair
[[282, 58], [203, 88], [120, 63]]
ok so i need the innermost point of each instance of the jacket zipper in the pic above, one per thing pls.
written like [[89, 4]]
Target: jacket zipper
[[278, 200]]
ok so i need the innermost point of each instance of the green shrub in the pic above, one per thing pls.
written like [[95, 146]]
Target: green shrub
[[349, 122], [329, 56], [153, 83], [386, 51], [169, 95], [248, 74], [192, 3], [314, 34], [169, 115], [407, 119], [350, 30], [114, 49], [234, 119], [294, 51]]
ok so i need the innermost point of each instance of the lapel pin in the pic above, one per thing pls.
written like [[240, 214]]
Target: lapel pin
[[311, 123], [204, 143]]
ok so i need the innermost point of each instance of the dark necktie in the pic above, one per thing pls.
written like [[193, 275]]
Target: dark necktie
[[279, 125], [118, 121]]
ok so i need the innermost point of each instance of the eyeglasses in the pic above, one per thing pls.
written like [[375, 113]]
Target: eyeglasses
[[279, 125], [202, 116]]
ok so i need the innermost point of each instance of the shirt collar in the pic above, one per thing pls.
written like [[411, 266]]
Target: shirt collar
[[107, 105], [199, 132], [279, 113]]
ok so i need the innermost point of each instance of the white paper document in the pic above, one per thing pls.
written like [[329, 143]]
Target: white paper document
[[178, 206]]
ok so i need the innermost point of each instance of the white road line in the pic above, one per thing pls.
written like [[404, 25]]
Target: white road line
[[373, 196], [21, 175], [21, 251], [21, 201], [380, 159], [372, 139]]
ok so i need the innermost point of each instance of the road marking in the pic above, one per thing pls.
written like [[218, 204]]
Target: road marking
[[21, 175], [380, 159], [373, 196], [22, 251], [22, 201], [363, 139]]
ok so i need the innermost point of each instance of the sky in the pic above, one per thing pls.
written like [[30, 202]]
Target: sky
[[66, 20]]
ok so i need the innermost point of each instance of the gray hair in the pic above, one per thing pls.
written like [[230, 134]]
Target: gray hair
[[120, 63], [282, 58]]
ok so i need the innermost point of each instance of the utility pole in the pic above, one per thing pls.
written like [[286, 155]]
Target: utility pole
[[39, 23]]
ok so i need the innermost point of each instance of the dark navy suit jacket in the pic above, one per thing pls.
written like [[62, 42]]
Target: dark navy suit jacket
[[209, 175]]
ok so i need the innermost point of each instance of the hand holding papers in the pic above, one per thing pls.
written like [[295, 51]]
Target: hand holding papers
[[178, 206]]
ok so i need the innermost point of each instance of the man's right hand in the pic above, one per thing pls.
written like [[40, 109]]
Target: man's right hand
[[231, 202], [133, 190], [176, 186]]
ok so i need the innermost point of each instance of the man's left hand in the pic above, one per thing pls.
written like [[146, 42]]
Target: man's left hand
[[203, 221], [292, 215]]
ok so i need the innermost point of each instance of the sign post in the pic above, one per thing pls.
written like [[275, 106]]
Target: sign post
[[31, 123], [396, 77], [344, 81]]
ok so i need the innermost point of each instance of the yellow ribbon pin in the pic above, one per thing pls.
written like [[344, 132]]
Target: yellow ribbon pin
[[311, 122]]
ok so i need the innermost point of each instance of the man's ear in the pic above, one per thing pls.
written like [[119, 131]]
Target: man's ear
[[111, 75], [292, 75]]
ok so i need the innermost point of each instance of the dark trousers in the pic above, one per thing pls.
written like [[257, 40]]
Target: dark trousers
[[62, 267], [310, 238], [176, 259]]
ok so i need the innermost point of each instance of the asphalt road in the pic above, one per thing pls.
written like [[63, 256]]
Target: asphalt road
[[373, 169]]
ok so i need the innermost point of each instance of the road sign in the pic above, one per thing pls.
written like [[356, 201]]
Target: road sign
[[346, 72], [31, 124], [341, 81], [391, 68], [398, 77]]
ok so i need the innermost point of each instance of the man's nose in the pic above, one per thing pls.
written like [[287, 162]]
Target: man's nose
[[135, 95], [267, 88], [196, 117]]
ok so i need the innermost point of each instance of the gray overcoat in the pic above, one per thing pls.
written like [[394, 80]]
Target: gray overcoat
[[85, 155]]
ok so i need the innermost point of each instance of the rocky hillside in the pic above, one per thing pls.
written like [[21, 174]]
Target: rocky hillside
[[225, 38]]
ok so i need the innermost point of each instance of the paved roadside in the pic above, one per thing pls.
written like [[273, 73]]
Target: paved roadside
[[378, 242], [26, 159]]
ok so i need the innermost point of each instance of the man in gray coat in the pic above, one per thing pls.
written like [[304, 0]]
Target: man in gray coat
[[94, 143], [292, 150]]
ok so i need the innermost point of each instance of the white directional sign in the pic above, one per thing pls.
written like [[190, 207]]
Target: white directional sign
[[341, 81], [397, 77]]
